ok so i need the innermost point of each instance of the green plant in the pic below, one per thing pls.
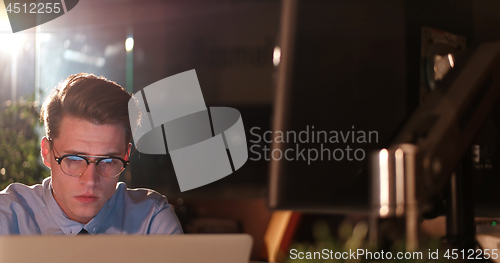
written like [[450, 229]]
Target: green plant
[[20, 159], [352, 246]]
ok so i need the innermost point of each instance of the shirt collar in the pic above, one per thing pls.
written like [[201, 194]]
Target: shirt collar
[[68, 226]]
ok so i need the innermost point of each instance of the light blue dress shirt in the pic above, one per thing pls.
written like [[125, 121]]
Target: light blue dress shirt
[[28, 210]]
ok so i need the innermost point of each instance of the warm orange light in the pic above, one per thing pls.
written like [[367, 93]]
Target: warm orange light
[[452, 61]]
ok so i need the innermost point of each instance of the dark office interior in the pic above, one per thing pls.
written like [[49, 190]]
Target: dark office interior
[[355, 66]]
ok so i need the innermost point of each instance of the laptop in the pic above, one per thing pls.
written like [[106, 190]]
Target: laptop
[[189, 248]]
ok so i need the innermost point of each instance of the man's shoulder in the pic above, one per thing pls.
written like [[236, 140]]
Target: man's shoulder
[[141, 195], [20, 192], [144, 207], [18, 199]]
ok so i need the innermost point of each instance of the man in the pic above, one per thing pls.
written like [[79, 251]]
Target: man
[[86, 147]]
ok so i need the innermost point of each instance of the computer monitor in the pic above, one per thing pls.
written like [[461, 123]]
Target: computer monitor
[[347, 80], [340, 74]]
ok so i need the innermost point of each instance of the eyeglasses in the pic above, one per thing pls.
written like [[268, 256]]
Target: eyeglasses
[[75, 165]]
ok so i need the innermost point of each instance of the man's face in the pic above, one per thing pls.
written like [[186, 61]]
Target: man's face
[[81, 198]]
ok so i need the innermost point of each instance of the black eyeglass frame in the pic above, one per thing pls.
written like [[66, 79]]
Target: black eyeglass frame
[[85, 157]]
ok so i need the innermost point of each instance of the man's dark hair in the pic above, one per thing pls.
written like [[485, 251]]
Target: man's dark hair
[[88, 97]]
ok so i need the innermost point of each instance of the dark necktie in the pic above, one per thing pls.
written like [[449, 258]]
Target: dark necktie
[[83, 232]]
